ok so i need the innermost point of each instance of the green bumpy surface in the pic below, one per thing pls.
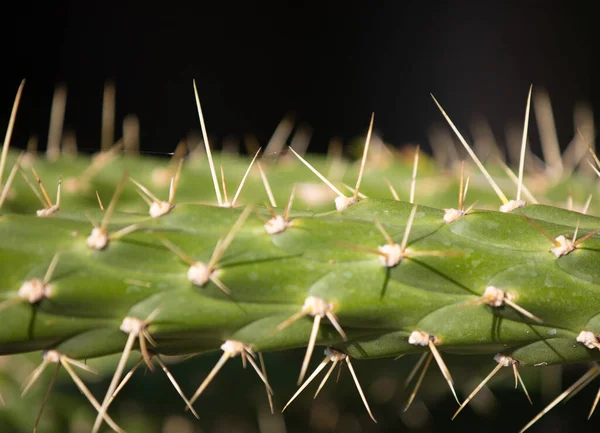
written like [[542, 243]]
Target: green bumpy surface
[[322, 254]]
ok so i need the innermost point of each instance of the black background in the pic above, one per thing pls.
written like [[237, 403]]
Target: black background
[[332, 63]]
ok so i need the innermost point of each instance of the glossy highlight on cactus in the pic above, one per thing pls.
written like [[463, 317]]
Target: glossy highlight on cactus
[[390, 278]]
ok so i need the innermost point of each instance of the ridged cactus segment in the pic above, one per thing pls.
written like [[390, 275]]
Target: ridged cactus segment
[[373, 278]]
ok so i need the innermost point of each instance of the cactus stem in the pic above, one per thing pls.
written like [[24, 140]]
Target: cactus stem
[[231, 349], [421, 338], [503, 361], [591, 374]]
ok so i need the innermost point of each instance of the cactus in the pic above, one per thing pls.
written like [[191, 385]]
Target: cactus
[[132, 256]]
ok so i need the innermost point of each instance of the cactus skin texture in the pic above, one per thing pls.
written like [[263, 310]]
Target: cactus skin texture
[[384, 278]]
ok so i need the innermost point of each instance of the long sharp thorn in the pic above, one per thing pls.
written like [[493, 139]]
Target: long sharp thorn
[[385, 234], [594, 404], [220, 285], [89, 396], [126, 378], [586, 237], [392, 190], [9, 130], [518, 377], [288, 208], [224, 357], [547, 130], [461, 187], [9, 181], [57, 117], [359, 388], [260, 374], [34, 376], [596, 160], [222, 247], [411, 219], [524, 145], [51, 269], [176, 385], [477, 389], [308, 381], [591, 373], [47, 200], [239, 190], [464, 197], [58, 192], [99, 201], [113, 203], [319, 175], [487, 175], [207, 147], [322, 384], [336, 324], [583, 211], [413, 394], [264, 372], [36, 192], [144, 350], [145, 190], [414, 370], [175, 182], [363, 162], [293, 318], [223, 183], [413, 181], [523, 311], [443, 368], [265, 181], [114, 382], [309, 349], [515, 179], [46, 397], [542, 231], [178, 252]]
